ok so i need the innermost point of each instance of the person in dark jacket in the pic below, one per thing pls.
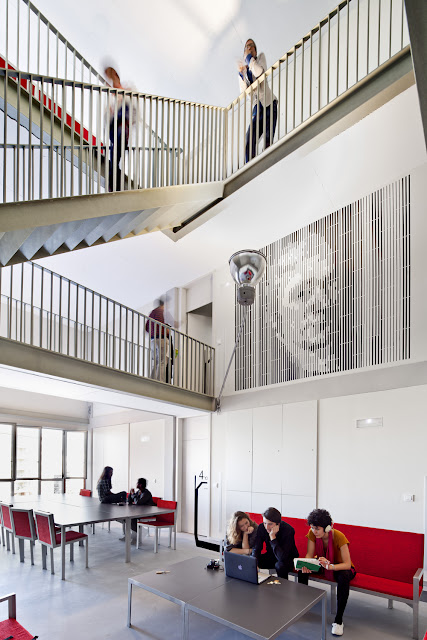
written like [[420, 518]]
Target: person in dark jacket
[[279, 539], [141, 496]]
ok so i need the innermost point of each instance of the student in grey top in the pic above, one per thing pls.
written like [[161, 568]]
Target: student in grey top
[[241, 534]]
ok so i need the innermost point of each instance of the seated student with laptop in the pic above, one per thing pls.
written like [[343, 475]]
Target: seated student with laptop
[[279, 539], [241, 534]]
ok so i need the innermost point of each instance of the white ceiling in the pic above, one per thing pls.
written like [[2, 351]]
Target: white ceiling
[[46, 386], [182, 48]]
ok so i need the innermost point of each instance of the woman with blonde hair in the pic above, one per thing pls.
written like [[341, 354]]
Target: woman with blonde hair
[[241, 533]]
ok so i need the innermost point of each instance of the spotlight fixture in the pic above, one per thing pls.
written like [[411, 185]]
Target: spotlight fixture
[[247, 268]]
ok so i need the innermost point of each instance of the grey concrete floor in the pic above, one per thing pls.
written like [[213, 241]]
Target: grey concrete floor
[[92, 603]]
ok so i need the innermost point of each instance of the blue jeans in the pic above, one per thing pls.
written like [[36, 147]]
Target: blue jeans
[[258, 116]]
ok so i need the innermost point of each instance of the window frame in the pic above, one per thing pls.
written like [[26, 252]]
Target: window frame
[[13, 452]]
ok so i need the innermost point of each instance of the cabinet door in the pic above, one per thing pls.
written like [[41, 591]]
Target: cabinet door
[[237, 501], [262, 501], [239, 450], [267, 445], [299, 458]]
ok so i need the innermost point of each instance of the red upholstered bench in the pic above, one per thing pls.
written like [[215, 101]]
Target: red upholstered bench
[[388, 563], [11, 627]]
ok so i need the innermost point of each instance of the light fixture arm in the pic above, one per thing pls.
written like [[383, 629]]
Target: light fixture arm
[[218, 400]]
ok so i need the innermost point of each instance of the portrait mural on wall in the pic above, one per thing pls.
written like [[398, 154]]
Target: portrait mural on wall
[[335, 296]]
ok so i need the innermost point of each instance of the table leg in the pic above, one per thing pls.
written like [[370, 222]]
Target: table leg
[[129, 603], [184, 615], [63, 550], [21, 549], [324, 599], [127, 538], [81, 530]]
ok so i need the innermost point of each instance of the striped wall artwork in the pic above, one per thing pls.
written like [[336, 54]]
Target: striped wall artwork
[[335, 296]]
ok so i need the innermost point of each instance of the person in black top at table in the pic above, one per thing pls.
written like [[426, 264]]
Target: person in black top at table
[[141, 496], [279, 539], [106, 496]]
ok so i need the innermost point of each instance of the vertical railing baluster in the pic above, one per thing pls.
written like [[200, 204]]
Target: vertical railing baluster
[[60, 315], [21, 321], [51, 312]]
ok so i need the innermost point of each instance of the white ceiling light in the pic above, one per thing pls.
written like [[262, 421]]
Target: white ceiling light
[[369, 422]]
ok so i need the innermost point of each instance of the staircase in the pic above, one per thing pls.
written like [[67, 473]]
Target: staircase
[[58, 190]]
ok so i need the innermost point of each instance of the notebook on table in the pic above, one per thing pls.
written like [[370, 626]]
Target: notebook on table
[[243, 568]]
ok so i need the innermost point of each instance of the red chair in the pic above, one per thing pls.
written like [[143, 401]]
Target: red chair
[[88, 494], [2, 528], [7, 524], [49, 537], [163, 521], [147, 521], [24, 528], [10, 628]]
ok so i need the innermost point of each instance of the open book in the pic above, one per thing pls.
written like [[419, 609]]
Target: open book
[[311, 563]]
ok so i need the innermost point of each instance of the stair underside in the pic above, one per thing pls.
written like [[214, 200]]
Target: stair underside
[[33, 230]]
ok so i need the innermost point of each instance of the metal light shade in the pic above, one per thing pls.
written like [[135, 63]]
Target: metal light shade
[[247, 268]]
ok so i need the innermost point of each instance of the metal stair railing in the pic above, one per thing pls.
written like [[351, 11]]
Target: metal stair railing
[[354, 40], [56, 133], [61, 147], [33, 44], [43, 309]]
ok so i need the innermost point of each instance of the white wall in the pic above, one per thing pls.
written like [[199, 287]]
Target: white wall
[[256, 461], [111, 448], [199, 293], [146, 455], [137, 449], [195, 460], [363, 473], [200, 327]]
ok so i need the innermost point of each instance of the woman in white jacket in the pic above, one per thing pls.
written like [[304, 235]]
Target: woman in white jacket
[[250, 69]]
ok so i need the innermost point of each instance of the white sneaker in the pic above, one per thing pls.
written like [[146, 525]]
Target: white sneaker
[[132, 540], [337, 629]]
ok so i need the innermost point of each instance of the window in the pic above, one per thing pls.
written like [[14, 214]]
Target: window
[[26, 487], [5, 451], [5, 491], [76, 459], [51, 487], [39, 460], [27, 452], [51, 453], [73, 486]]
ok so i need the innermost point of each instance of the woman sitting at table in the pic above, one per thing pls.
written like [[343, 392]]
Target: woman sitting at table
[[241, 533], [106, 496], [330, 547]]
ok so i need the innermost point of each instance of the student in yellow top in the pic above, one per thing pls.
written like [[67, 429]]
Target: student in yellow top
[[330, 546]]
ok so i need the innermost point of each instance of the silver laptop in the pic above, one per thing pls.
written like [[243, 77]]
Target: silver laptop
[[243, 568]]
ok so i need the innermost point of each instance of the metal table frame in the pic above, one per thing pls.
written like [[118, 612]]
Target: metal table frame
[[189, 601], [76, 511]]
